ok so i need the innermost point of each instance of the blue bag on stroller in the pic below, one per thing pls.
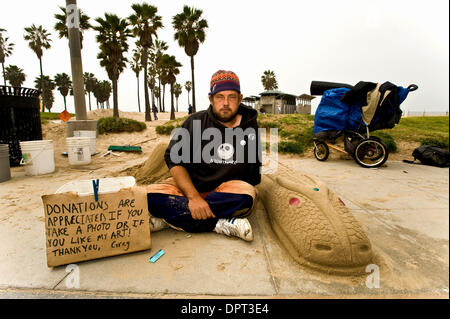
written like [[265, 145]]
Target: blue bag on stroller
[[343, 108]]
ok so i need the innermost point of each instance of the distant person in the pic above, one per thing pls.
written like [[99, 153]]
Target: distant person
[[190, 109], [155, 110]]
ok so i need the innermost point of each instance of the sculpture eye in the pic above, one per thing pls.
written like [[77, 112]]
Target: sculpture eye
[[294, 201]]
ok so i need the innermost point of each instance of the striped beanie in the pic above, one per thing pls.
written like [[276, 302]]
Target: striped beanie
[[224, 80]]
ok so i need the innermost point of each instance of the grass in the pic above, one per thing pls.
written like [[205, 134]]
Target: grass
[[296, 131], [47, 116], [423, 128], [167, 127], [387, 139], [119, 124]]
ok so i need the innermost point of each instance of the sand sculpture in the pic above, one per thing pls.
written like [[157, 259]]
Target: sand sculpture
[[314, 225], [311, 222]]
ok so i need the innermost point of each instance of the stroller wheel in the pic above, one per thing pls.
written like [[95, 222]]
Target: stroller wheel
[[371, 152], [321, 151]]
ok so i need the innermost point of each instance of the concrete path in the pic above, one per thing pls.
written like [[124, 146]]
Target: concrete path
[[404, 209]]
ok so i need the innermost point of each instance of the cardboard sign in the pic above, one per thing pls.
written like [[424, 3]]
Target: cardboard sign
[[79, 228]]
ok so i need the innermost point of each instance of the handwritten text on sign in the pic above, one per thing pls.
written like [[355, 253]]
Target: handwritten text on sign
[[79, 228]]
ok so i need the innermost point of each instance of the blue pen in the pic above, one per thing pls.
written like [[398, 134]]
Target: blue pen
[[156, 256]]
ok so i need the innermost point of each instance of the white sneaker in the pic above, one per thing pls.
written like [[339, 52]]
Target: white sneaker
[[157, 224], [239, 227]]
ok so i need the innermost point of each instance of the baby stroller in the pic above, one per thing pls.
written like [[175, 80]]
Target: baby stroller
[[352, 112]]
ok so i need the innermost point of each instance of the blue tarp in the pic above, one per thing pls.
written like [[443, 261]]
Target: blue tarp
[[334, 115]]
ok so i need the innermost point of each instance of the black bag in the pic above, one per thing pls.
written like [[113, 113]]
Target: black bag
[[431, 155]]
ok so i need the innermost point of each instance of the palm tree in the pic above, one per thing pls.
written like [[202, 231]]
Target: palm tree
[[46, 85], [6, 48], [14, 75], [112, 37], [61, 25], [171, 66], [38, 38], [190, 32], [177, 90], [145, 23], [157, 52], [137, 66], [188, 87], [89, 84], [63, 82], [269, 81]]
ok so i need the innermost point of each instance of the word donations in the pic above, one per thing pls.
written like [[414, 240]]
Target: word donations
[[79, 228]]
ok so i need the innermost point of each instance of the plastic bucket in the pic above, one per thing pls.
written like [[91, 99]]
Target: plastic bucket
[[5, 171], [79, 150], [91, 134], [38, 157]]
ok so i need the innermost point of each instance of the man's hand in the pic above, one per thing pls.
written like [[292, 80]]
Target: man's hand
[[199, 208], [197, 205]]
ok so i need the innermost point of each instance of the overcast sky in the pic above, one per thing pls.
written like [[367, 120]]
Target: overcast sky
[[401, 41]]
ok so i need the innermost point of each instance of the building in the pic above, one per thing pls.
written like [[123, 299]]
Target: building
[[277, 102], [304, 104]]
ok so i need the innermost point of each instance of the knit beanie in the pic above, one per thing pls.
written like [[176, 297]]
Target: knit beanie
[[224, 80]]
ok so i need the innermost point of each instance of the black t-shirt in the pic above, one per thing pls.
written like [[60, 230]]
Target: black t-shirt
[[213, 154]]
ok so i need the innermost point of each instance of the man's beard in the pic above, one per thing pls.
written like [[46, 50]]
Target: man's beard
[[225, 119]]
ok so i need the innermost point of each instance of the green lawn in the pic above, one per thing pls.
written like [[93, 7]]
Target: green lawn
[[46, 116]]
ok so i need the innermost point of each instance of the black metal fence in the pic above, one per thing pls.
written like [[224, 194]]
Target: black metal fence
[[20, 119]]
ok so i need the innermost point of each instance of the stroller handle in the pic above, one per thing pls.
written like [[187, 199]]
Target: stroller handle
[[412, 87]]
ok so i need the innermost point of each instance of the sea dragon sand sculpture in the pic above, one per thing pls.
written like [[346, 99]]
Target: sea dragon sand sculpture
[[311, 222], [314, 225]]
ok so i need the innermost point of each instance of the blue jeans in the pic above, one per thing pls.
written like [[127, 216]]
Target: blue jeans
[[172, 206]]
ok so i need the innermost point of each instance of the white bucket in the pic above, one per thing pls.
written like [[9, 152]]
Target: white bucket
[[79, 150], [38, 157], [91, 134], [5, 171]]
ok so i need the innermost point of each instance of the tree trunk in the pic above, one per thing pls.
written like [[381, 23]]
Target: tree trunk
[[163, 98], [177, 104], [159, 97], [139, 100], [43, 84], [40, 65], [115, 99], [148, 116], [189, 92], [153, 99], [65, 106], [3, 68], [89, 94], [194, 108], [172, 108]]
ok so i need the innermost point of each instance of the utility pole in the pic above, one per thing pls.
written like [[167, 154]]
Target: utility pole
[[73, 26]]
